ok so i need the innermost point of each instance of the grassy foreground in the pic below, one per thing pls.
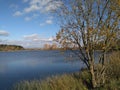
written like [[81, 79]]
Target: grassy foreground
[[63, 82], [77, 81]]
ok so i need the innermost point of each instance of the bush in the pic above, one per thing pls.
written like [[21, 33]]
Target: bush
[[113, 66], [112, 72], [86, 78], [112, 84]]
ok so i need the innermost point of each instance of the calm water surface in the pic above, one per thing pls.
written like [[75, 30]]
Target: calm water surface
[[30, 65]]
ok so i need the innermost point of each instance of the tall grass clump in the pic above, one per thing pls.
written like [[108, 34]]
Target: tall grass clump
[[113, 66], [113, 72], [64, 82]]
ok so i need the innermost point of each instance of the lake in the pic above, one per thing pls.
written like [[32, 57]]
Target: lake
[[29, 65]]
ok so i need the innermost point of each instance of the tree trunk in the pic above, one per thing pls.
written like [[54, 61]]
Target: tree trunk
[[94, 84], [103, 65]]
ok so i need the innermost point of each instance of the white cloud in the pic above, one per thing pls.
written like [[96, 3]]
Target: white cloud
[[17, 13], [49, 22], [4, 33], [1, 40], [41, 6], [51, 38], [31, 17], [36, 37], [42, 24], [31, 37], [28, 18], [31, 9], [53, 5]]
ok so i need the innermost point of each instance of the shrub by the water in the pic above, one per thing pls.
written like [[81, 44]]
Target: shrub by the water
[[113, 66], [113, 72]]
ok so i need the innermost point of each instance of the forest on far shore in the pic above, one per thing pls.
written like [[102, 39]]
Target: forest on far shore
[[4, 47]]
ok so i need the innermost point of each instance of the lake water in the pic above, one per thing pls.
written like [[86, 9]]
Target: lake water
[[30, 65]]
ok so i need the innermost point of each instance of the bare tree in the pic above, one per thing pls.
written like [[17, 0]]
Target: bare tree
[[85, 24]]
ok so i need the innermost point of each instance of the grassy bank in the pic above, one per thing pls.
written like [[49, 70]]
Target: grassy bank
[[77, 81], [63, 82]]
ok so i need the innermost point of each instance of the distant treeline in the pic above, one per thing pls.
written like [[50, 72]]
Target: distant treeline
[[4, 47]]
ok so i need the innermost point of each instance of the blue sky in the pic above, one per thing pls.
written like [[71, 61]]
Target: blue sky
[[27, 22]]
